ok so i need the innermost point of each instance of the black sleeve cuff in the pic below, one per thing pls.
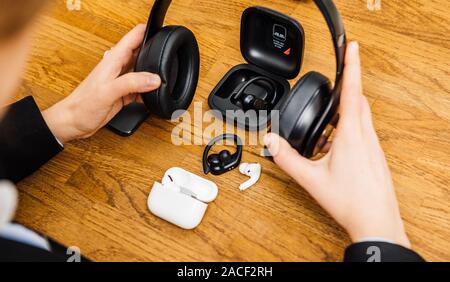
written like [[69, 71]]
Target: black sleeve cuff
[[26, 142], [380, 252]]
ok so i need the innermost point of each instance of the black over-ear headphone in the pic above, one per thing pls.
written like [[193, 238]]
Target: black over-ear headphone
[[311, 108], [173, 53], [223, 162]]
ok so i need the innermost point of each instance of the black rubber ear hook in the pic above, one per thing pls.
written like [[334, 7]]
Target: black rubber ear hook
[[236, 157]]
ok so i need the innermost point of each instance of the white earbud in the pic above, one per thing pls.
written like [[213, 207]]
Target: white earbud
[[251, 170]]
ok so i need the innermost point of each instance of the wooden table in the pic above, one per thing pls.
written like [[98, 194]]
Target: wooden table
[[94, 194]]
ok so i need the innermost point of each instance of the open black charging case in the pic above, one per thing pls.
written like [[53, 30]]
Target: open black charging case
[[272, 44]]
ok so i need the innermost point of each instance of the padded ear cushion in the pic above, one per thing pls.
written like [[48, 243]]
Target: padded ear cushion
[[303, 107], [172, 53]]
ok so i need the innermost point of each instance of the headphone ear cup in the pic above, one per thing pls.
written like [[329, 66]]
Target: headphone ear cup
[[172, 53], [302, 109]]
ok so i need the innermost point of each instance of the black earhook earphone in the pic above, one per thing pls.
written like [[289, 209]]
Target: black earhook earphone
[[250, 101], [172, 52], [313, 104], [223, 162]]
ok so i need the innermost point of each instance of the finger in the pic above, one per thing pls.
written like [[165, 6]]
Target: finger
[[129, 66], [106, 53], [289, 160], [123, 52], [368, 128], [131, 98], [132, 40], [351, 88], [366, 113], [134, 82]]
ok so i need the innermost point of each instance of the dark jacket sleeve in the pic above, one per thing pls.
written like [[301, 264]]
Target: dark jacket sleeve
[[380, 252], [12, 251], [26, 142]]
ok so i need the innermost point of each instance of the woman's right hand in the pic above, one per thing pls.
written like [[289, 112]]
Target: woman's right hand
[[352, 181]]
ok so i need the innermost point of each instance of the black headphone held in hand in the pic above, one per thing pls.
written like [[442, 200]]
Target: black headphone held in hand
[[248, 100], [223, 162], [173, 53], [310, 111]]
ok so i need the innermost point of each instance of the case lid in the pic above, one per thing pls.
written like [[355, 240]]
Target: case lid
[[190, 184], [272, 41]]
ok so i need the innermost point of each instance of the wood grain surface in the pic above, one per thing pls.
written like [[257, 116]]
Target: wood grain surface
[[93, 195]]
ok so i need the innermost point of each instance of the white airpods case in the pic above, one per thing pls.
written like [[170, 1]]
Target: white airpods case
[[182, 198]]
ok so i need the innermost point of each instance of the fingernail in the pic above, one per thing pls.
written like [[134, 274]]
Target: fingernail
[[272, 143], [153, 80], [354, 45]]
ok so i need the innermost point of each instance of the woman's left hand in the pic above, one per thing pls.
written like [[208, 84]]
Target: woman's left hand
[[108, 88]]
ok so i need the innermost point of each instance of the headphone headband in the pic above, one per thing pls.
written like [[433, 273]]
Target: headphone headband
[[326, 7], [237, 141], [337, 30], [156, 18]]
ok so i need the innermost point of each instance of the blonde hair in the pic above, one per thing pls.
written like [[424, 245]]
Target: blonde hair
[[16, 14]]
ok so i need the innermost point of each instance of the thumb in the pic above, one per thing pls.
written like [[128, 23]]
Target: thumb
[[351, 97], [134, 82], [289, 160]]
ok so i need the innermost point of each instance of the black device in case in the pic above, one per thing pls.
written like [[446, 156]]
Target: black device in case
[[272, 44]]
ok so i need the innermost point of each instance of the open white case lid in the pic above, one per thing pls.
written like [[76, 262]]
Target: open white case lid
[[199, 188]]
